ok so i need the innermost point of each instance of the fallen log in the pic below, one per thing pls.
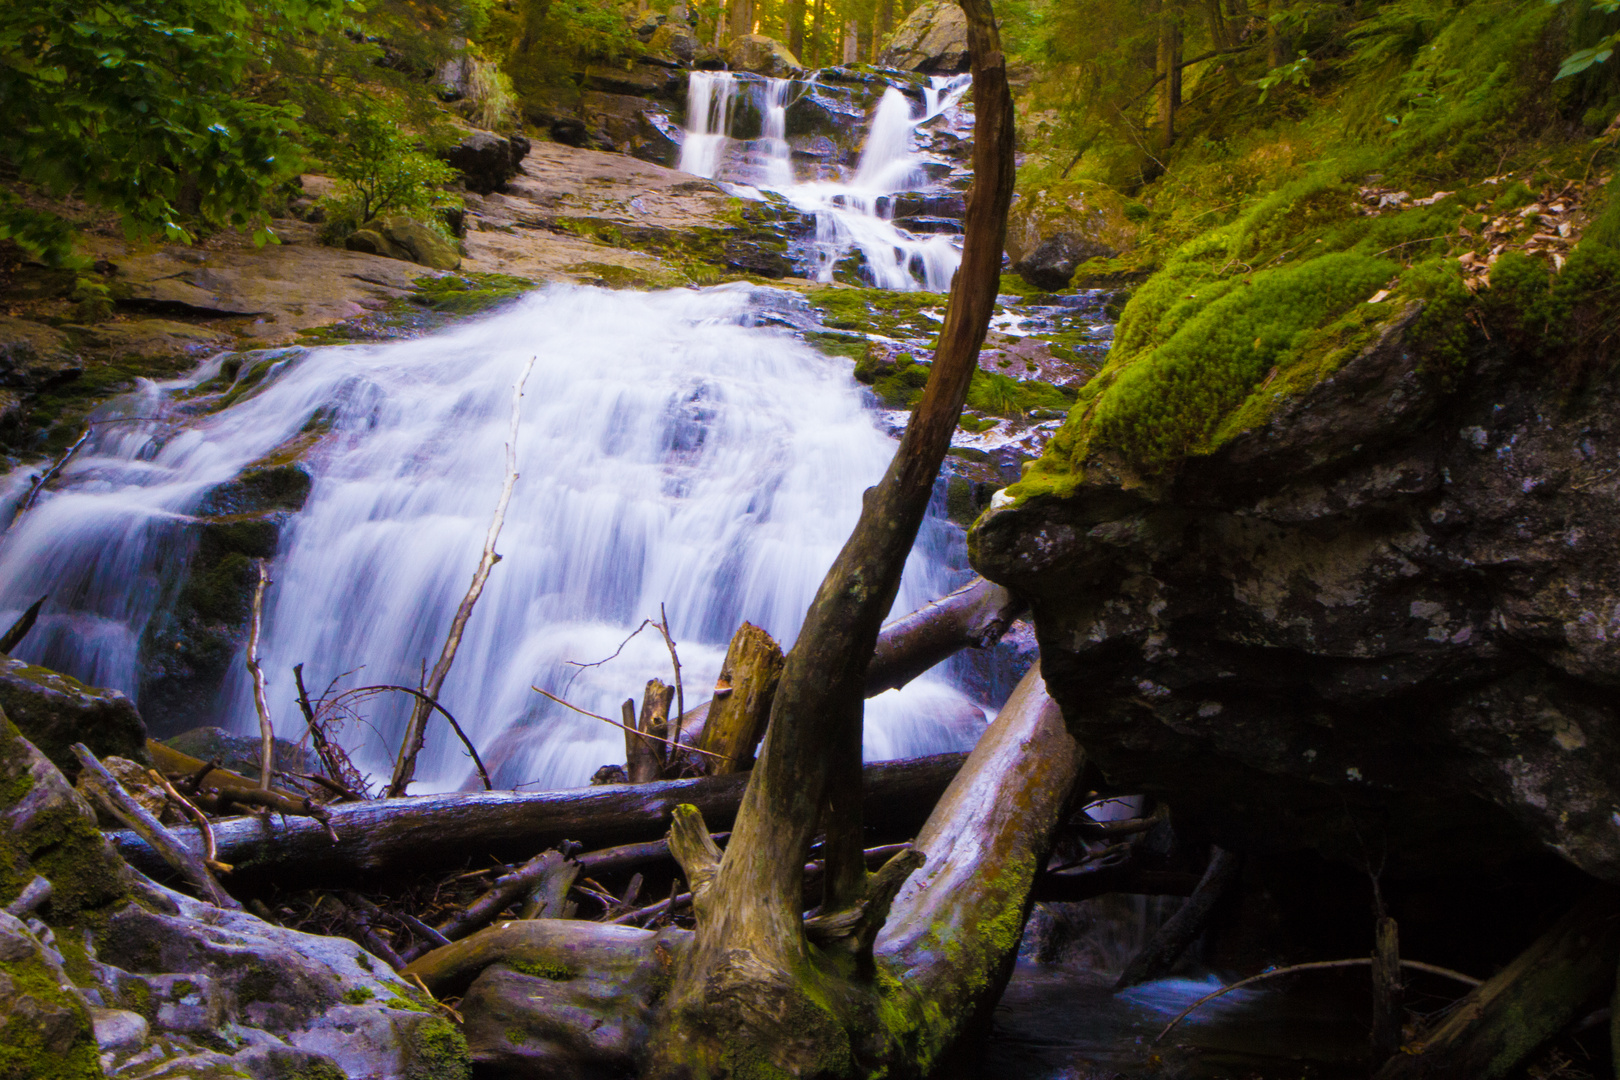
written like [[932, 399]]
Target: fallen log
[[429, 832], [975, 615], [1500, 1023], [1186, 925]]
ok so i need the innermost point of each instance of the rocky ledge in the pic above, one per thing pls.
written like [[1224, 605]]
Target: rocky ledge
[[1386, 623]]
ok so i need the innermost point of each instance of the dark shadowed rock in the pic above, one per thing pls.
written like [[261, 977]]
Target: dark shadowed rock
[[484, 159], [1051, 231], [1383, 621], [55, 711]]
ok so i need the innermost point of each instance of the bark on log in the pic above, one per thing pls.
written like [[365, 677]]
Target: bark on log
[[736, 717], [952, 936], [430, 832], [1388, 1008], [1499, 1024], [645, 760], [975, 615], [1184, 927]]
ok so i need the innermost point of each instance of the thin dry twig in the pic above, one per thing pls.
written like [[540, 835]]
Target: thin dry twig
[[1316, 965], [267, 732], [674, 658], [416, 729], [210, 846], [622, 727], [598, 663]]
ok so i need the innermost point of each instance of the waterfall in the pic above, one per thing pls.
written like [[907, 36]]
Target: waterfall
[[853, 214], [673, 455]]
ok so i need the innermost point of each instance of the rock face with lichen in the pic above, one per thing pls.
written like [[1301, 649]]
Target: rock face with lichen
[[1051, 231], [933, 38], [1387, 619], [103, 972], [55, 711]]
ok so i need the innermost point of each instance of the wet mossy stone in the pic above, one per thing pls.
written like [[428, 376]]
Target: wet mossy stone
[[47, 829], [240, 753], [54, 711], [274, 487]]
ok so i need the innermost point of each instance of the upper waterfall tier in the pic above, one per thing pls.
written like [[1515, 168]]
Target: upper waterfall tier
[[741, 131]]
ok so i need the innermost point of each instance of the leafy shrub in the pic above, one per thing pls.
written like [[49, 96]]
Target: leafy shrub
[[382, 171]]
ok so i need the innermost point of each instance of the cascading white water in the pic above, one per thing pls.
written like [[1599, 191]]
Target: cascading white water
[[708, 106], [852, 214], [671, 453]]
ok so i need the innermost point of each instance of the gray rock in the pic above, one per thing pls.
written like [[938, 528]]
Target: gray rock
[[55, 711], [1383, 618], [676, 41], [240, 753], [484, 159], [933, 38], [119, 1029], [763, 56]]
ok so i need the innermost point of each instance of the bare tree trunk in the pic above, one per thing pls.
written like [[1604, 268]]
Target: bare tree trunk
[[852, 43], [742, 701], [1279, 44], [1169, 70], [742, 17], [817, 29], [753, 977], [795, 28]]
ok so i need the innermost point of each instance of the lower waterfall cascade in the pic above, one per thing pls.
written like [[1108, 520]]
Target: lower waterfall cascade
[[672, 453]]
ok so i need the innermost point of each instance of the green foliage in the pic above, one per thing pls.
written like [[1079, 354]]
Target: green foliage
[[135, 105], [382, 172], [1582, 59], [1167, 400]]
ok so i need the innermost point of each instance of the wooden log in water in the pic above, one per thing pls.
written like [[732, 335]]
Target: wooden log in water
[[425, 833], [1502, 1022], [1185, 926], [976, 615]]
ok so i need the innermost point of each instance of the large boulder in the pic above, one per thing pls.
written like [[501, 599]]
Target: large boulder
[[486, 160], [932, 39], [1381, 621], [676, 42], [1051, 231], [55, 711], [763, 56], [170, 986]]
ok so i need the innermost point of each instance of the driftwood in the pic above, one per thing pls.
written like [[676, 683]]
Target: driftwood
[[1500, 1023], [416, 727], [267, 732], [1185, 926], [232, 787], [118, 802], [429, 832], [1388, 1006], [976, 616], [644, 753], [20, 628], [742, 700]]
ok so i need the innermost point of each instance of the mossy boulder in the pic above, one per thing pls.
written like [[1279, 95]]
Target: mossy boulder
[[1052, 230], [54, 711], [762, 55], [933, 39], [190, 644], [401, 237]]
